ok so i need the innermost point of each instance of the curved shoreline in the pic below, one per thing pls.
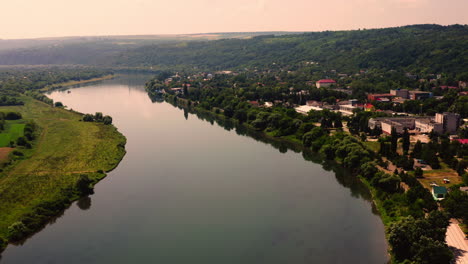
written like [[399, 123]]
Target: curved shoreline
[[49, 208]]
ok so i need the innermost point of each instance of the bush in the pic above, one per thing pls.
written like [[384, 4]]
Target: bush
[[3, 243], [17, 231], [17, 153], [58, 104], [21, 141], [107, 120], [98, 116], [12, 116], [88, 118]]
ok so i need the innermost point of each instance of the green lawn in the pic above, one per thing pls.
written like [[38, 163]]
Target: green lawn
[[13, 130], [373, 145], [65, 148]]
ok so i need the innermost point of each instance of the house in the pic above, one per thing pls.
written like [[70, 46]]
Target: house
[[402, 93], [463, 84], [305, 109], [325, 83], [380, 97], [445, 87], [369, 108], [439, 192], [387, 123], [450, 122], [177, 90], [268, 104], [419, 95], [464, 189], [462, 141], [254, 103], [428, 125], [347, 109]]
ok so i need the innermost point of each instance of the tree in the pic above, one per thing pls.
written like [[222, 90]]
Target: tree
[[313, 135], [21, 141], [185, 90], [98, 116], [88, 118], [107, 120], [417, 150], [58, 104], [84, 185], [419, 240], [338, 123], [328, 152], [394, 141], [406, 140], [419, 173], [369, 169]]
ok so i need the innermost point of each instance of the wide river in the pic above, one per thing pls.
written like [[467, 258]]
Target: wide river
[[192, 191]]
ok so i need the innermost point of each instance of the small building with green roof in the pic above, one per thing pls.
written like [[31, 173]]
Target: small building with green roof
[[439, 192]]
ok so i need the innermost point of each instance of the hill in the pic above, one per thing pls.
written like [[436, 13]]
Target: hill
[[426, 48], [418, 48]]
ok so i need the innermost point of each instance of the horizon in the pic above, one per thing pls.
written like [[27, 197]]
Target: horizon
[[222, 32], [29, 19]]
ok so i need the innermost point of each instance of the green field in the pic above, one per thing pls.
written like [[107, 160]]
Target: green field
[[65, 148], [13, 130]]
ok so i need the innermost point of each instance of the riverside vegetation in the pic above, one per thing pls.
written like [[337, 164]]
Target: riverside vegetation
[[54, 160]]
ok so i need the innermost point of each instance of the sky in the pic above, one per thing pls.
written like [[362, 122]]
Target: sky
[[54, 18]]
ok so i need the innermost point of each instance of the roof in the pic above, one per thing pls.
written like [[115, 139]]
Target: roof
[[326, 81], [462, 141], [439, 189], [385, 94]]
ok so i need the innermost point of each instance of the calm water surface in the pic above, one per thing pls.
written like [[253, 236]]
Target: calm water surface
[[190, 191]]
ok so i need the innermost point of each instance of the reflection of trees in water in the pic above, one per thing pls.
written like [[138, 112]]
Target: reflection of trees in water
[[84, 203], [344, 177]]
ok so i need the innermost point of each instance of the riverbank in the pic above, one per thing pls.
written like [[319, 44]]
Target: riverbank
[[66, 160], [72, 83]]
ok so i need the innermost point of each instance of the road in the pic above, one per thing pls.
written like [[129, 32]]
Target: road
[[457, 242]]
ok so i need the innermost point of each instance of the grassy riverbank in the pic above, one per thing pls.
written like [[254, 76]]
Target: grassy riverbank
[[71, 83], [42, 182]]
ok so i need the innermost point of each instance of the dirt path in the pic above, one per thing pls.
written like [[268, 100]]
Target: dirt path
[[457, 241], [4, 153]]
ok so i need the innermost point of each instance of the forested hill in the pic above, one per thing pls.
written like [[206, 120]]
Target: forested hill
[[417, 48], [429, 48]]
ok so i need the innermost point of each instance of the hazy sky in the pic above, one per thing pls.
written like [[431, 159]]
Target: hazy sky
[[47, 18]]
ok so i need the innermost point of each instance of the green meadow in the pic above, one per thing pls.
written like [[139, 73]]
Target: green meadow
[[13, 130], [64, 149]]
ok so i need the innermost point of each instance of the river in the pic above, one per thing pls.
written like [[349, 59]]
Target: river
[[192, 191]]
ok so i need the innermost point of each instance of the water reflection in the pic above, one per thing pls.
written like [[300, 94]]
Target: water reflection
[[343, 177], [84, 203]]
